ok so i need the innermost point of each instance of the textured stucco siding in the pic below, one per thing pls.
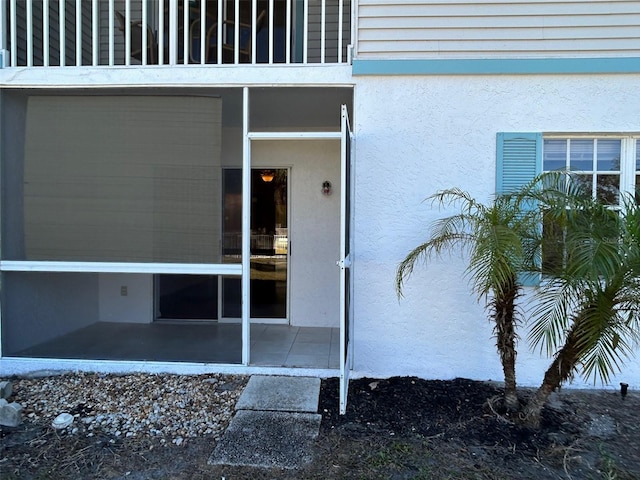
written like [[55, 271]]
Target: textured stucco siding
[[498, 28], [430, 133]]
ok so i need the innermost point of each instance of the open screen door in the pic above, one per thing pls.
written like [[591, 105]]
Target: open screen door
[[346, 317]]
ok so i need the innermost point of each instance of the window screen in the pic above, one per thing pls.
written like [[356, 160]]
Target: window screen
[[119, 179]]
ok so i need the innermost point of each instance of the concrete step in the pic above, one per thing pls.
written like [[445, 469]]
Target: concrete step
[[274, 425]]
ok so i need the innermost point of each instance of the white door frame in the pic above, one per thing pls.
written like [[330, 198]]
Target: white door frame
[[250, 137], [346, 258]]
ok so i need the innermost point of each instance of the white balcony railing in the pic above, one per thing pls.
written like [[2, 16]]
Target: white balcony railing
[[175, 32]]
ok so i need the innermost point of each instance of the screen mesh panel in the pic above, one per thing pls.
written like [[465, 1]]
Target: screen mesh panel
[[122, 178]]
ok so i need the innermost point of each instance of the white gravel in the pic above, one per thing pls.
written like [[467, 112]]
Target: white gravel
[[171, 408]]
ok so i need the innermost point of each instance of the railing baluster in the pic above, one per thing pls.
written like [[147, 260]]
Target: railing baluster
[[112, 39], [78, 33], [94, 34], [161, 8], [29, 14], [340, 26], [236, 32], [4, 37], [185, 31], [14, 35], [219, 34], [305, 42], [288, 34], [144, 30], [271, 33], [323, 30], [203, 31], [254, 35], [127, 32], [173, 32], [62, 34]]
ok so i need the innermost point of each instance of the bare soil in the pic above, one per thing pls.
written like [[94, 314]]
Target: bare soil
[[398, 428]]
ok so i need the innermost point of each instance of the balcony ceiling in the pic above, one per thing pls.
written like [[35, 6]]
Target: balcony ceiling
[[289, 108]]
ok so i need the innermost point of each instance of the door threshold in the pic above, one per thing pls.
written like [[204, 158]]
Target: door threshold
[[186, 321]]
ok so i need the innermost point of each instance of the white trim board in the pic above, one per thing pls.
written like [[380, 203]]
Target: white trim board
[[117, 267]]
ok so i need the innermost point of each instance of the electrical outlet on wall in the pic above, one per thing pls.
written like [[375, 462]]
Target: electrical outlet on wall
[[124, 291]]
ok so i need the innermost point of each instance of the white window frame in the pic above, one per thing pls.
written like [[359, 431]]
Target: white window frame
[[628, 148]]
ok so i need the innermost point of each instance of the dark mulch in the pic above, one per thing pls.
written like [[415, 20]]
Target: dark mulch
[[397, 428]]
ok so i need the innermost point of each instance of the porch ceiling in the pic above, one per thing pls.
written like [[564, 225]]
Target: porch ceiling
[[271, 107]]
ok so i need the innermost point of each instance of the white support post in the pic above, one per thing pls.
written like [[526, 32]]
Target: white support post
[[246, 228]]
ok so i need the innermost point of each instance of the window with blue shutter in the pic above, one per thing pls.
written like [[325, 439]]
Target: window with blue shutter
[[519, 160]]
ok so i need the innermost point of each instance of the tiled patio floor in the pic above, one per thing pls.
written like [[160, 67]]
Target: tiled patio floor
[[271, 345]]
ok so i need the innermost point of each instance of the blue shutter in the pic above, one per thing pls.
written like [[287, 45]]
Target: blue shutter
[[519, 160]]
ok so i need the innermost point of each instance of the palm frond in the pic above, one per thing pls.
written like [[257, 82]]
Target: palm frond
[[551, 316]]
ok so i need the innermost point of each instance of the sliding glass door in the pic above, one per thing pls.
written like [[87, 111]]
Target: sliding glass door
[[206, 297]]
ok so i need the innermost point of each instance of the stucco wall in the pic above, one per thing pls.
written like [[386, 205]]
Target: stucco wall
[[414, 136], [314, 226]]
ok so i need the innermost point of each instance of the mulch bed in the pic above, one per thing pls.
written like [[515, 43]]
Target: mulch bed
[[396, 428]]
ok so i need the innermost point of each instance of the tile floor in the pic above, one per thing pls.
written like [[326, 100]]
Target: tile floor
[[271, 345]]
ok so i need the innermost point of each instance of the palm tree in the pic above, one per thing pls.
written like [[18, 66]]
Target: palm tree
[[501, 240], [588, 315]]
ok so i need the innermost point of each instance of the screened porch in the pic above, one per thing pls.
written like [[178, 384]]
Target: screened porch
[[126, 234]]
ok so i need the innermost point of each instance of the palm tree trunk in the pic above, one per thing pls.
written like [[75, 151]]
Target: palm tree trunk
[[559, 372], [506, 343]]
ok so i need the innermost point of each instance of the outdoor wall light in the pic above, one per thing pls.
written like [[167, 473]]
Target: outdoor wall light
[[326, 188], [267, 175]]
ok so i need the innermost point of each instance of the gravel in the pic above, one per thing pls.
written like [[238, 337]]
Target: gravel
[[169, 408]]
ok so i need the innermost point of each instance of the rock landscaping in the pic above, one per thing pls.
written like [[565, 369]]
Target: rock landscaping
[[170, 408]]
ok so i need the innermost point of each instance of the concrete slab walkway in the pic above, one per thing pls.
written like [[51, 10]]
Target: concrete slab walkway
[[274, 425]]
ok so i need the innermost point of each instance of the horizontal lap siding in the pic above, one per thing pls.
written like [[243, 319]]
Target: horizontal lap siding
[[482, 29]]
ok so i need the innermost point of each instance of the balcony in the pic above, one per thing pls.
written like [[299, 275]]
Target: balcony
[[67, 33]]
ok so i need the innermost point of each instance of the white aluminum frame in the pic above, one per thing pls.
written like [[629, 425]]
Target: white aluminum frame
[[242, 270]]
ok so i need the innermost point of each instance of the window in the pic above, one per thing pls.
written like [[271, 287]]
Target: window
[[597, 163], [608, 165], [600, 164]]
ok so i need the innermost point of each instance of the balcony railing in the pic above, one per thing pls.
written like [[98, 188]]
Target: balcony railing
[[176, 32]]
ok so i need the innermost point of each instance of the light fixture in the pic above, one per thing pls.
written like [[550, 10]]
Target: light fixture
[[267, 175]]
